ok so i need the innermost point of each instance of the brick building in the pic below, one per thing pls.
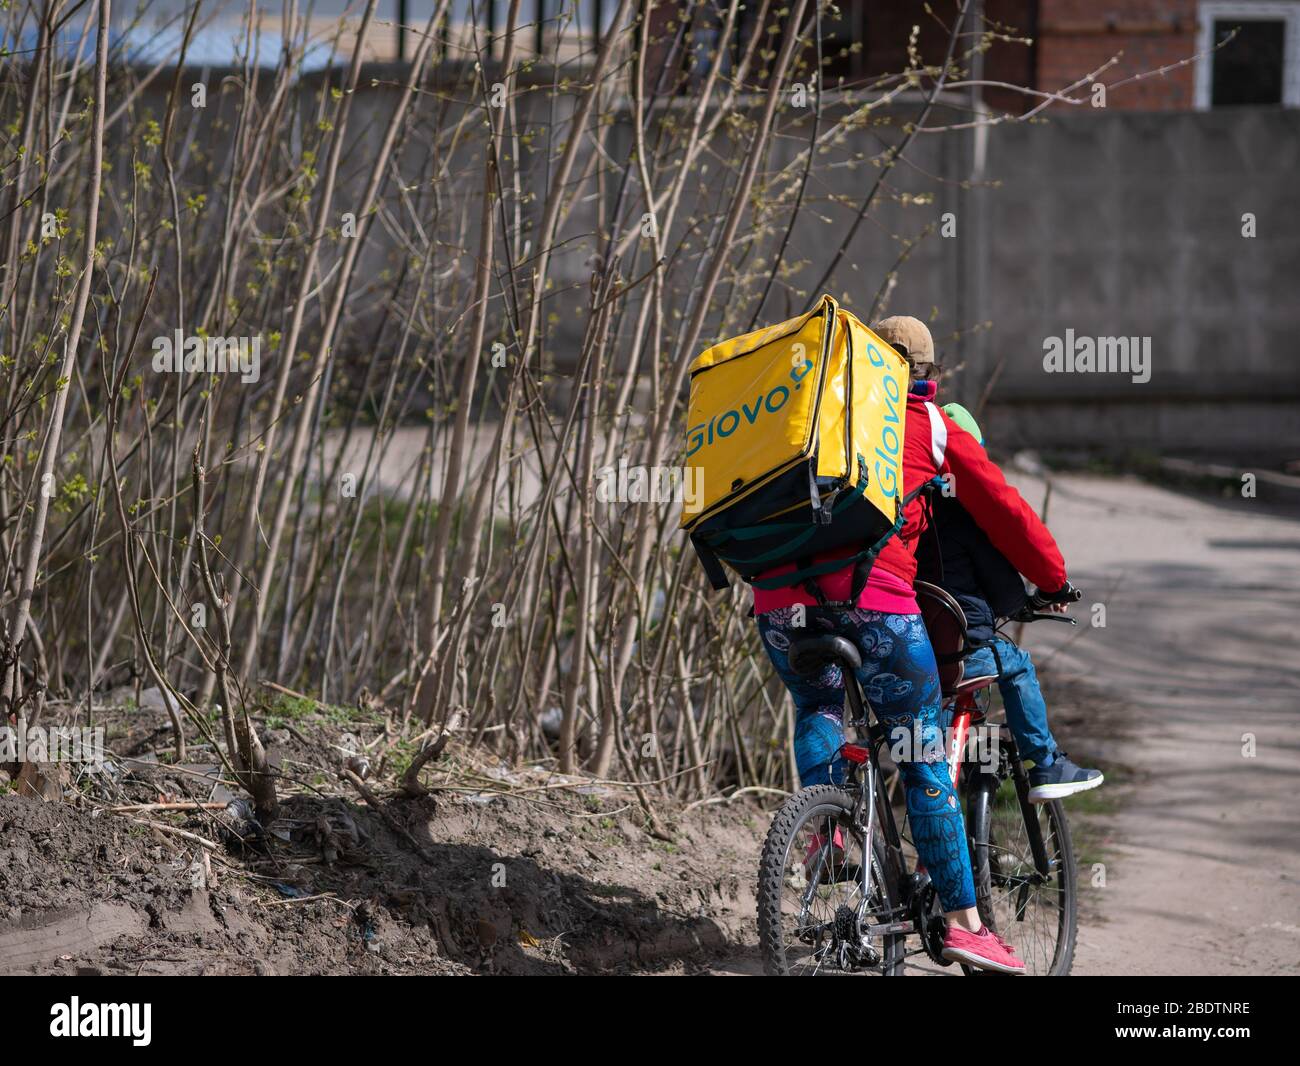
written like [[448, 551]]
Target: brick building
[[1256, 61], [1055, 43]]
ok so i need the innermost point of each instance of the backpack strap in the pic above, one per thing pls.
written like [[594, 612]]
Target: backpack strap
[[800, 532], [907, 500], [812, 586], [713, 568], [806, 571], [802, 574], [821, 515], [862, 568]]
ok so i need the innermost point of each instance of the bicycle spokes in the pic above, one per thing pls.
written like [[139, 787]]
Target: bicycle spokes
[[1028, 904], [823, 904]]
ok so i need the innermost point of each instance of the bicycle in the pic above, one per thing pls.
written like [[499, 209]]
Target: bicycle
[[835, 892]]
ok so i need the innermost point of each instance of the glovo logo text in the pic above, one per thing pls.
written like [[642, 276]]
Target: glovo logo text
[[889, 449], [748, 414]]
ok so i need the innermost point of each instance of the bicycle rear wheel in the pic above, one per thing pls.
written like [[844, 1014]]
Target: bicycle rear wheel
[[810, 891], [1035, 911]]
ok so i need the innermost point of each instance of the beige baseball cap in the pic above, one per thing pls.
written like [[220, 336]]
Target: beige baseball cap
[[909, 335]]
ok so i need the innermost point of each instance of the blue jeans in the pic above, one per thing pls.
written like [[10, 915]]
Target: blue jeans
[[1023, 699], [901, 681]]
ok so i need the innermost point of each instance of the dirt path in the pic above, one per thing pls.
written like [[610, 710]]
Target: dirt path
[[1202, 612]]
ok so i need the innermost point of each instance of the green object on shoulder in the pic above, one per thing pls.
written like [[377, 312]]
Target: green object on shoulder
[[965, 419]]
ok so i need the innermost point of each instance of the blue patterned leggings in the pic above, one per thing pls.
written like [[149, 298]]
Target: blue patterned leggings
[[901, 681]]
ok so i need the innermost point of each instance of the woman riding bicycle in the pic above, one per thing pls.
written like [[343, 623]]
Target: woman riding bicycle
[[899, 675]]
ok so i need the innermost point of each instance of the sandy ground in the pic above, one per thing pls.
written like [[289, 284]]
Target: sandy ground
[[1202, 608]]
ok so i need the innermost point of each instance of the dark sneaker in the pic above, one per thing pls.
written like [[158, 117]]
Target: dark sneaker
[[1063, 778]]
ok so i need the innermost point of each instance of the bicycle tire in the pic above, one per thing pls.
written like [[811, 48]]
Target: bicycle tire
[[987, 854], [804, 805]]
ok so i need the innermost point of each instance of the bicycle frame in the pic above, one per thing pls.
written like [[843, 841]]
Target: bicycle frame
[[872, 808], [906, 903]]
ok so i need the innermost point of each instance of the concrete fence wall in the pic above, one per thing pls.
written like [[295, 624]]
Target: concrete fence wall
[[1131, 225], [1120, 225], [1102, 225], [1106, 224]]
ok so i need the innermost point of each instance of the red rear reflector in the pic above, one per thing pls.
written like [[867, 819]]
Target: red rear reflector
[[856, 753]]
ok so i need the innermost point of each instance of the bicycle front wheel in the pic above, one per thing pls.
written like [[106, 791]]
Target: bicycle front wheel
[[811, 917], [1035, 910]]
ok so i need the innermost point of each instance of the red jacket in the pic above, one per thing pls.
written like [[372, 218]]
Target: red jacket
[[933, 445]]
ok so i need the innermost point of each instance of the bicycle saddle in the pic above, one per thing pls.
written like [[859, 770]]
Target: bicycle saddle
[[809, 654]]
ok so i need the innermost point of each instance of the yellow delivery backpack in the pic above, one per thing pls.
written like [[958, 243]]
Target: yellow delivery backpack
[[795, 437]]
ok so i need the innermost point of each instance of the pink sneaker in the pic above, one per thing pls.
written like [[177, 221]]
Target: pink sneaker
[[814, 851], [984, 950]]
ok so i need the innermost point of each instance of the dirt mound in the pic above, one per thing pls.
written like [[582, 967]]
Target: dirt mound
[[470, 879], [500, 869]]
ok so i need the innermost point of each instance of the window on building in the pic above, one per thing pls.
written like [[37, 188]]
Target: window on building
[[1250, 54], [1248, 67]]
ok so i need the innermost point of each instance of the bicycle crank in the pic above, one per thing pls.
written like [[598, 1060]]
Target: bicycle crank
[[929, 921]]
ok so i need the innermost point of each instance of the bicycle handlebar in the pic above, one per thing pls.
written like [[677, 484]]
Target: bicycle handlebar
[[1027, 615], [1030, 612], [1067, 593]]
